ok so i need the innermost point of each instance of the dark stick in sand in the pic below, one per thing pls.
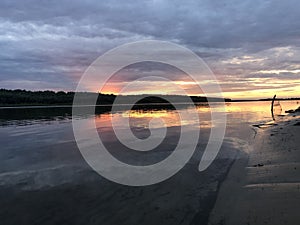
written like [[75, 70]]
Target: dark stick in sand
[[272, 107]]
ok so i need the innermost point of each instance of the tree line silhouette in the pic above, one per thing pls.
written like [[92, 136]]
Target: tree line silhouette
[[24, 97]]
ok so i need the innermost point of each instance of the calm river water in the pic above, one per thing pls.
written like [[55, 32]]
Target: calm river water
[[45, 180]]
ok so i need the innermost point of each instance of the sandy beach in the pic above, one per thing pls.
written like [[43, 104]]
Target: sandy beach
[[263, 186]]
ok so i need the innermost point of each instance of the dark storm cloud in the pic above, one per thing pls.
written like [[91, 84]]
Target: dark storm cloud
[[208, 23], [54, 41]]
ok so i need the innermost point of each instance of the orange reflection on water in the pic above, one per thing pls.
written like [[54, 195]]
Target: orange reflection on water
[[147, 114], [158, 118], [237, 112]]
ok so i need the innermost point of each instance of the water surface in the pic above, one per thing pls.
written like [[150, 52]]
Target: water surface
[[44, 179]]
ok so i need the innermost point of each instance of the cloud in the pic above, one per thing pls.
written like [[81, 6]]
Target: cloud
[[55, 41]]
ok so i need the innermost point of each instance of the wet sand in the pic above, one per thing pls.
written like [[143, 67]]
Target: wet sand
[[264, 187]]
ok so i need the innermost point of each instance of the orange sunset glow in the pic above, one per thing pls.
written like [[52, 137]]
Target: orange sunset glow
[[252, 89], [253, 82]]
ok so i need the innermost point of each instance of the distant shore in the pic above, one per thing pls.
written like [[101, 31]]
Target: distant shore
[[20, 97], [35, 98]]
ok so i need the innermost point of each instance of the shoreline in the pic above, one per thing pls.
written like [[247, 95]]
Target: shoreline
[[263, 187], [21, 105]]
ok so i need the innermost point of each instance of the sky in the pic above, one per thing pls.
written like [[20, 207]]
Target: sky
[[252, 46]]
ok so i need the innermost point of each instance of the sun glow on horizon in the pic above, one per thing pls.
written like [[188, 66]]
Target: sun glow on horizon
[[257, 88]]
